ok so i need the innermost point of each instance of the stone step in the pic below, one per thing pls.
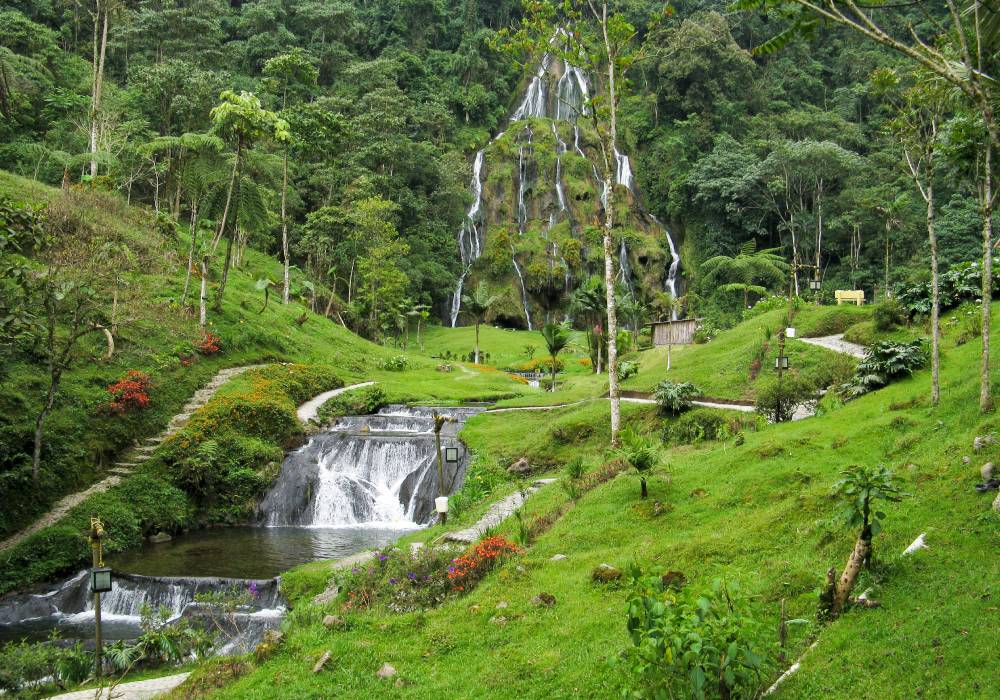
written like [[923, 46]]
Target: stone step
[[127, 465]]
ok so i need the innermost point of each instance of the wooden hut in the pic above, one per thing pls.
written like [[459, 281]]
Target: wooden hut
[[679, 332]]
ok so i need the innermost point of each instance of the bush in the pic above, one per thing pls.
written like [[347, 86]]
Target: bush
[[129, 394], [888, 315], [626, 369], [699, 647], [778, 398], [819, 322], [861, 333], [397, 363], [675, 397], [706, 331], [885, 362], [482, 478], [536, 364], [25, 667], [707, 424]]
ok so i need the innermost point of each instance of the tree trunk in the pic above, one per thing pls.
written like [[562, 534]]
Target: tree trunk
[[231, 225], [284, 224], [643, 492], [985, 396], [203, 301], [194, 243], [553, 372], [862, 550], [55, 375], [477, 341], [95, 101], [935, 293]]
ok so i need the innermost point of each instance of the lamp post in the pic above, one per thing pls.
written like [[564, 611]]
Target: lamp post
[[100, 582], [442, 498]]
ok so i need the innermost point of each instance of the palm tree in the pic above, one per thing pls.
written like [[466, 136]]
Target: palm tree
[[640, 453], [556, 337], [479, 304], [588, 300], [751, 271]]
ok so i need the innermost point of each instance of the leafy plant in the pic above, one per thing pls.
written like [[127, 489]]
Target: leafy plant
[[640, 453], [627, 368], [779, 397], [575, 468], [556, 338], [700, 647], [888, 315], [858, 490], [883, 363], [396, 363], [675, 397]]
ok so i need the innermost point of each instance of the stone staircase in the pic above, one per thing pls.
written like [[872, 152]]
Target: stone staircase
[[131, 458]]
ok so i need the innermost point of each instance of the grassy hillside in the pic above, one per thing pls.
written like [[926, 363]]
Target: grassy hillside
[[757, 512]]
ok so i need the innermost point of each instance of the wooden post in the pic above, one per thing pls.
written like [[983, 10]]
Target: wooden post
[[439, 422], [96, 533]]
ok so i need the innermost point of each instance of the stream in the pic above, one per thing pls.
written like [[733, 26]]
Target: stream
[[360, 484]]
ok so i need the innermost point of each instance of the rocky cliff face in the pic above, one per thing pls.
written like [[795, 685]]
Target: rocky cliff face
[[533, 230]]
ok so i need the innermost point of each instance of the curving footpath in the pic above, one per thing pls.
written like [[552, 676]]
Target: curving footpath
[[837, 344], [137, 690], [132, 458]]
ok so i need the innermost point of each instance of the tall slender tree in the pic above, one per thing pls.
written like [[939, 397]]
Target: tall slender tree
[[479, 304]]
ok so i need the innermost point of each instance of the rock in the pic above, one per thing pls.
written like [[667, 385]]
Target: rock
[[543, 600], [160, 537], [499, 620], [328, 595], [673, 579], [986, 471], [502, 604], [605, 573], [698, 493], [988, 485], [521, 466], [966, 460], [322, 662], [400, 683], [558, 557], [917, 544], [981, 441], [387, 671], [474, 609], [331, 621], [996, 503]]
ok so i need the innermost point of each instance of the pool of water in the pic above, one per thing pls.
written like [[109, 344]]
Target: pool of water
[[250, 552]]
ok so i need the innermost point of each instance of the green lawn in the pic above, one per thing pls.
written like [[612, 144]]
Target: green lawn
[[758, 513]]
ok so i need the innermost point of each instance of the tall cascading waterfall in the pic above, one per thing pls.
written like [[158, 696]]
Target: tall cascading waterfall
[[567, 102], [367, 471]]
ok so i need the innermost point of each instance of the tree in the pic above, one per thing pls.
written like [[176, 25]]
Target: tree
[[241, 120], [556, 336], [479, 304], [288, 71], [860, 488], [750, 271], [102, 18], [586, 34], [588, 300], [200, 173], [640, 453]]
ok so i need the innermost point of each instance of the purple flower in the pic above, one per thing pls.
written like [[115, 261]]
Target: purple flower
[[252, 588], [354, 570], [382, 557], [412, 576], [393, 582], [451, 569]]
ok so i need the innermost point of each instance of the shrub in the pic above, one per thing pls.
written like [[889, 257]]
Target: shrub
[[765, 305], [27, 665], [706, 331], [129, 394], [778, 398], [707, 424], [861, 333], [396, 363], [885, 362], [352, 403], [210, 344], [627, 368], [536, 364], [675, 397], [697, 647], [639, 452], [482, 478], [830, 320], [888, 315], [484, 556]]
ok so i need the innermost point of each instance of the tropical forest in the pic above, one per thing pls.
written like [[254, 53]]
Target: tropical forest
[[499, 349]]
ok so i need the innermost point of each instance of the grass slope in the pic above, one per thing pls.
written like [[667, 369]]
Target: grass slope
[[758, 513]]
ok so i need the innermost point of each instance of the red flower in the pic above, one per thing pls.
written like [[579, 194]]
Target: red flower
[[210, 344], [130, 393]]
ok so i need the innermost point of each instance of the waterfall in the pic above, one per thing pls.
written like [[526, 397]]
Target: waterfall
[[670, 284], [524, 291], [565, 101], [522, 187], [369, 471]]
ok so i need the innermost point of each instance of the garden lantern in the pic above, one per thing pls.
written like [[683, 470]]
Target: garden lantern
[[441, 505], [100, 580], [815, 285], [451, 454], [789, 332], [781, 362]]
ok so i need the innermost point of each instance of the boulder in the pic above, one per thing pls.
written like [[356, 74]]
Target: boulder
[[387, 671], [986, 471], [333, 621], [160, 537], [966, 460], [996, 503], [981, 441], [543, 600], [605, 573], [499, 620], [502, 604], [558, 557], [520, 467], [322, 662]]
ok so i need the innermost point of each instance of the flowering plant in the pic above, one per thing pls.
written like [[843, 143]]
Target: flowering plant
[[467, 570], [128, 394], [210, 344]]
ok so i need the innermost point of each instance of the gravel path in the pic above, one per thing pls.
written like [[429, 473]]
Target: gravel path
[[498, 512], [137, 690], [131, 458], [310, 408], [837, 344]]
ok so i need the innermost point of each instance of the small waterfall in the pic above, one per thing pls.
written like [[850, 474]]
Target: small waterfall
[[470, 236], [560, 149], [534, 102], [524, 291], [576, 141], [670, 284], [370, 471], [623, 170]]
